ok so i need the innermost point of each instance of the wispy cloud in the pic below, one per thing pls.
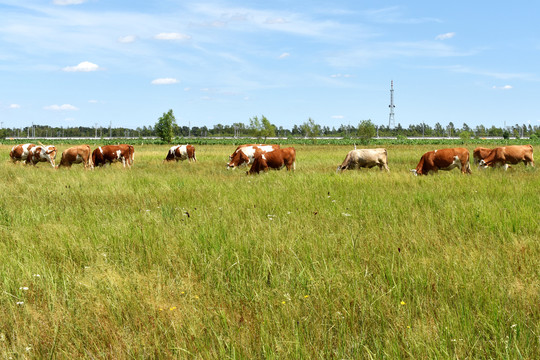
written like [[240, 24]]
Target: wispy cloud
[[505, 87], [395, 15], [127, 39], [492, 74], [14, 106], [68, 2], [446, 36], [172, 36], [64, 107], [284, 55], [164, 81], [85, 66]]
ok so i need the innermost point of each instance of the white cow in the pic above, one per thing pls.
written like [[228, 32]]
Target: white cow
[[42, 154], [368, 158]]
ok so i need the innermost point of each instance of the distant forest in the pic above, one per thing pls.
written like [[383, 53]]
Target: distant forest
[[308, 129]]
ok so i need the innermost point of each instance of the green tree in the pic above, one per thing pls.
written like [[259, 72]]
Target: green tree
[[261, 128], [165, 127], [366, 130], [310, 129]]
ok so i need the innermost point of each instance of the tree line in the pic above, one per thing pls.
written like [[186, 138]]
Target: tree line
[[261, 127]]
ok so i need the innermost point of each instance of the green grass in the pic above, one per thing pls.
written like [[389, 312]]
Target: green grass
[[311, 264]]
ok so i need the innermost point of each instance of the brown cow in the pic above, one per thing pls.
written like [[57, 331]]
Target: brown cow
[[359, 158], [479, 154], [76, 155], [244, 154], [41, 154], [20, 152], [444, 159], [181, 152], [276, 159], [505, 155], [112, 153]]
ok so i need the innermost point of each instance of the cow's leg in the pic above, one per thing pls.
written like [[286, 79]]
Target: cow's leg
[[505, 167]]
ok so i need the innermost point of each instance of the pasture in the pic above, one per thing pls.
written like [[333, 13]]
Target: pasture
[[193, 261]]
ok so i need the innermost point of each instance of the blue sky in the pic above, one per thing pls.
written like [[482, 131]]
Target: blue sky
[[82, 62]]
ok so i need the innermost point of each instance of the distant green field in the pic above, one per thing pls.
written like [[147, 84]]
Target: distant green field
[[184, 260]]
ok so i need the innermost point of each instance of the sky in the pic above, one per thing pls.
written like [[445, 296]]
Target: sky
[[125, 63]]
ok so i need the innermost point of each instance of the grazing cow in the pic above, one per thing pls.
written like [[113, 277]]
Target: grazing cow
[[112, 153], [244, 154], [76, 155], [368, 158], [20, 152], [479, 154], [181, 152], [276, 159], [505, 155], [42, 154], [444, 159]]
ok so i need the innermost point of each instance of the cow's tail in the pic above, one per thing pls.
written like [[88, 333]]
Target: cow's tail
[[467, 163]]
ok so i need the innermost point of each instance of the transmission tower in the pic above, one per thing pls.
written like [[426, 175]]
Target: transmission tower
[[391, 120]]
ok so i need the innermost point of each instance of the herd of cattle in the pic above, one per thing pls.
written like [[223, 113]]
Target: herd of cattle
[[263, 157]]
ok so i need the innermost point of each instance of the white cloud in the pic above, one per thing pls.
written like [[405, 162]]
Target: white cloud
[[68, 2], [445, 36], [93, 101], [172, 36], [164, 81], [284, 55], [505, 87], [273, 21], [14, 106], [85, 66], [335, 76], [127, 39], [338, 117], [61, 107]]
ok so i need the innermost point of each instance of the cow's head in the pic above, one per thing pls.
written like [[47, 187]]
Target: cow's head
[[237, 159], [482, 164]]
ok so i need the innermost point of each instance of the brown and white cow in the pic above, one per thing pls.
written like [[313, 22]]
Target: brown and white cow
[[181, 152], [113, 153], [76, 155], [443, 159], [20, 152], [479, 154], [276, 159], [244, 154], [504, 155], [42, 153], [367, 158]]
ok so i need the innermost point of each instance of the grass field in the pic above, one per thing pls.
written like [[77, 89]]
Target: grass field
[[193, 261]]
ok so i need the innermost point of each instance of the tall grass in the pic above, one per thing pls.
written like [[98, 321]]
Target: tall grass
[[194, 261]]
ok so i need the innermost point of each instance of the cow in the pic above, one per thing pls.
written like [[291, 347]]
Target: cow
[[504, 155], [368, 158], [244, 154], [181, 152], [41, 154], [444, 159], [76, 155], [20, 152], [479, 154], [112, 153], [275, 159]]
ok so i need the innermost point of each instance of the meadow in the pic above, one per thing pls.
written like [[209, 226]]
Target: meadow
[[193, 261]]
